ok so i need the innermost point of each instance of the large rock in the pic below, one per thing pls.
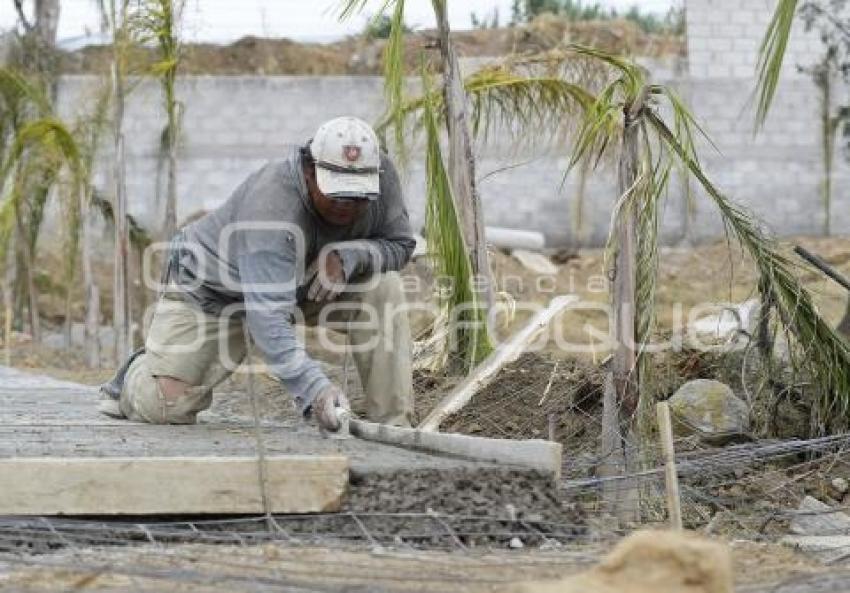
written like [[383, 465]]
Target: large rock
[[651, 562], [709, 410]]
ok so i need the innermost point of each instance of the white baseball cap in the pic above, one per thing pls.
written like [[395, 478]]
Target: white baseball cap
[[348, 159]]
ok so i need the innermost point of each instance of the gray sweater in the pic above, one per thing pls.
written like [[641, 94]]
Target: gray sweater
[[254, 249]]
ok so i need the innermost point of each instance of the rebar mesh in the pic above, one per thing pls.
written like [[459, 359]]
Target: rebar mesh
[[39, 535]]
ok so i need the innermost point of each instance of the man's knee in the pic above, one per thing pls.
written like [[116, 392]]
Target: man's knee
[[160, 400], [172, 389]]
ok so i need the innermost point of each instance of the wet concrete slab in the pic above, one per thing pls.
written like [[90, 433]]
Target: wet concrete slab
[[44, 417]]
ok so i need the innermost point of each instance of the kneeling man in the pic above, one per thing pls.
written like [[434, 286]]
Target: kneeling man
[[318, 238]]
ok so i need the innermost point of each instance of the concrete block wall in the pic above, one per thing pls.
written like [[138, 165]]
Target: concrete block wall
[[724, 37], [776, 173], [233, 125]]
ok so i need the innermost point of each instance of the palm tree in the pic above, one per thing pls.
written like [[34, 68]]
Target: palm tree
[[91, 130], [122, 314], [34, 149], [624, 115], [460, 248], [158, 20]]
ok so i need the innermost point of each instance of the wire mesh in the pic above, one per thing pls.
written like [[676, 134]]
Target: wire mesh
[[40, 535]]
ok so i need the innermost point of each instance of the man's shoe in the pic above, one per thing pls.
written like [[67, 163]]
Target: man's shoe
[[110, 407], [110, 392]]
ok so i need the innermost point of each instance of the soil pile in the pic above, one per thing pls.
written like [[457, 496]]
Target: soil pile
[[360, 55], [652, 562]]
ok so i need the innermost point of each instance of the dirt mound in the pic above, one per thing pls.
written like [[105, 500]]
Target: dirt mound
[[249, 55], [652, 562], [360, 55], [518, 404]]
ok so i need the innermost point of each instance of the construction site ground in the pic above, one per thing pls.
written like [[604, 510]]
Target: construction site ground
[[394, 537], [295, 568]]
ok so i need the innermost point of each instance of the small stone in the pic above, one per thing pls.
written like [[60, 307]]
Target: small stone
[[841, 485], [516, 544], [510, 510]]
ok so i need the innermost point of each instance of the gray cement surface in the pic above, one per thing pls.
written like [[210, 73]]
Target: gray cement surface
[[41, 416]]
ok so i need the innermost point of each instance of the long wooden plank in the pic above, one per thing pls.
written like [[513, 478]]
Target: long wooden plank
[[486, 372], [170, 485]]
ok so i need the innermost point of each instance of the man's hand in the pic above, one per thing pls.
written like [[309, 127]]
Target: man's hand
[[325, 405], [328, 278]]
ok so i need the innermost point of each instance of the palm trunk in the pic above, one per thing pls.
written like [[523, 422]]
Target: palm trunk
[[47, 21], [461, 158], [29, 277], [68, 324], [9, 299], [580, 227], [143, 291], [170, 225], [92, 298], [624, 365], [121, 306], [171, 199], [829, 129], [621, 394]]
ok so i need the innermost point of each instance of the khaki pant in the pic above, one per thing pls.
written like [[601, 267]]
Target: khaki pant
[[202, 350]]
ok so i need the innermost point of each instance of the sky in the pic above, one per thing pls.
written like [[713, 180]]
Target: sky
[[222, 21]]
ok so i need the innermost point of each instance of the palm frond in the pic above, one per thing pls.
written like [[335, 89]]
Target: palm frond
[[7, 223], [49, 133], [525, 106], [450, 254], [772, 55], [685, 126], [15, 89], [601, 125], [632, 74], [827, 354], [394, 75], [348, 8]]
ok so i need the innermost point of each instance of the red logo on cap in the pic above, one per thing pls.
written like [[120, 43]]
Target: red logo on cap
[[351, 153]]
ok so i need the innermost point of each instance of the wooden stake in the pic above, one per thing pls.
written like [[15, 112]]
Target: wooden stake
[[553, 427], [671, 478]]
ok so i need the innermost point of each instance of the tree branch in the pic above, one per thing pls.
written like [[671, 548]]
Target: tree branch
[[19, 7]]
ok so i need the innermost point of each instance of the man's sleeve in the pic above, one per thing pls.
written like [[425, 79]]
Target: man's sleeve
[[269, 314], [392, 245], [267, 266]]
